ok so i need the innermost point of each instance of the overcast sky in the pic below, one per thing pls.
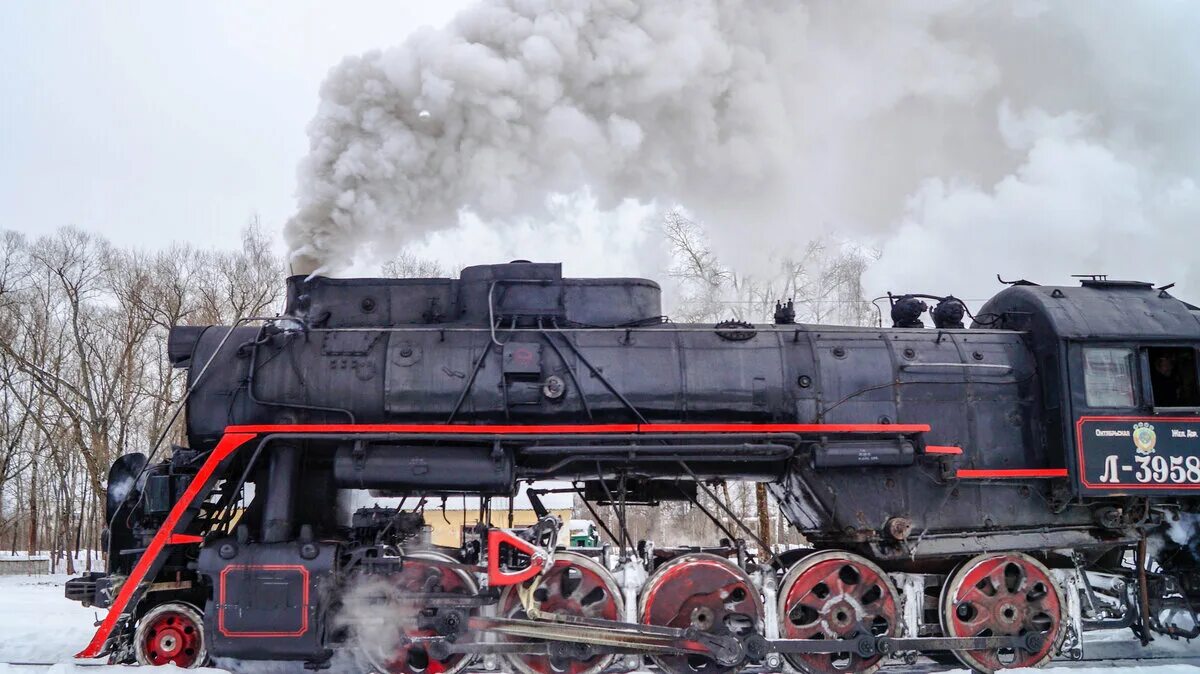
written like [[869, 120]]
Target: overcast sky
[[150, 122], [975, 133]]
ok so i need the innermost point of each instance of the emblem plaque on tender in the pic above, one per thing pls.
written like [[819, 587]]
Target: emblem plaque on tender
[[1144, 437]]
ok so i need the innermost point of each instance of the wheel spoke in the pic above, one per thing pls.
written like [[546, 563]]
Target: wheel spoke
[[978, 596]]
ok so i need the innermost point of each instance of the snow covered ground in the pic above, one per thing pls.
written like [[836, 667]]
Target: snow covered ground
[[38, 625]]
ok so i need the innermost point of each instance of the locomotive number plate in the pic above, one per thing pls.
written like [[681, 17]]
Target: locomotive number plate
[[1136, 453]]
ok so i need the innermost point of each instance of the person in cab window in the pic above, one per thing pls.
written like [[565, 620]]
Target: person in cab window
[[1173, 385]]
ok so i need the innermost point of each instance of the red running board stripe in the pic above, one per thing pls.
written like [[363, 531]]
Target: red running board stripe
[[984, 474], [569, 429]]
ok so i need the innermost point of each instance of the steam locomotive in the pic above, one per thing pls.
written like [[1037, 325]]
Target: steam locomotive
[[986, 493]]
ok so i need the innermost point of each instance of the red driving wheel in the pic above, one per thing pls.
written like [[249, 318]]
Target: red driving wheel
[[171, 634], [834, 595], [703, 592], [576, 586], [1004, 594], [391, 653]]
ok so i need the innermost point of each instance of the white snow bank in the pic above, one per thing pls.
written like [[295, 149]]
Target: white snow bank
[[38, 623]]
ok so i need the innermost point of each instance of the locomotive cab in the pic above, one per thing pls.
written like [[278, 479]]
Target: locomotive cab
[[1122, 381]]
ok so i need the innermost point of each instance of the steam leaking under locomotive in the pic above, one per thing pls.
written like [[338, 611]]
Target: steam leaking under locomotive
[[989, 492]]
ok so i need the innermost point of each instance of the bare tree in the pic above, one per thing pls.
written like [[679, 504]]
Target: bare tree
[[83, 370], [824, 282], [408, 265], [234, 285]]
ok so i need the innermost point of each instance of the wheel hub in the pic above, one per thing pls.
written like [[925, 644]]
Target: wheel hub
[[168, 643], [842, 616]]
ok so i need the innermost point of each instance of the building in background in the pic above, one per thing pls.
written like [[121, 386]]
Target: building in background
[[462, 514]]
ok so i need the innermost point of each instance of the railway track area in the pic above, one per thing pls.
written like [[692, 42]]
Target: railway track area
[[40, 630]]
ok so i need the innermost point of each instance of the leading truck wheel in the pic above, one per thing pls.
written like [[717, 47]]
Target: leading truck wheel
[[171, 634], [704, 592], [834, 595], [1003, 594]]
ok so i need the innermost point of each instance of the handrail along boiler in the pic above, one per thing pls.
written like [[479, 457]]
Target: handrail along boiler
[[987, 492]]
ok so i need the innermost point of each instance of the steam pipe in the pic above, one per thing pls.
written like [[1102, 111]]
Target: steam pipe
[[279, 507]]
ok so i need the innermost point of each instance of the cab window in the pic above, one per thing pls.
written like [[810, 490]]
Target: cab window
[[1173, 376], [1108, 377]]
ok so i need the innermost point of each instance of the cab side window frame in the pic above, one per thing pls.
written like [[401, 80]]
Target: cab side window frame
[[1111, 377]]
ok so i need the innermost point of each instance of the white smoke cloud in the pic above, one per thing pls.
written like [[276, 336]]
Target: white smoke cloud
[[1183, 530], [1074, 205], [962, 138]]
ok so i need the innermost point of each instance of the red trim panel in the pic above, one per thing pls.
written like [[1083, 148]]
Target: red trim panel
[[265, 567], [942, 449], [1002, 473], [228, 444], [570, 429], [181, 539]]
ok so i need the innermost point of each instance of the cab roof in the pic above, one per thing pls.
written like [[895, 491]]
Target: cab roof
[[1097, 309]]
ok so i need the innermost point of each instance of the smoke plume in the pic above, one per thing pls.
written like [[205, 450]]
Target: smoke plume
[[960, 138]]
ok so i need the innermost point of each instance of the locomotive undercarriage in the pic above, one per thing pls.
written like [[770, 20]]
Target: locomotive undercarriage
[[833, 612], [514, 600], [818, 611]]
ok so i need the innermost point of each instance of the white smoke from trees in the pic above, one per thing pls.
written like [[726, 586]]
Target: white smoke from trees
[[960, 138]]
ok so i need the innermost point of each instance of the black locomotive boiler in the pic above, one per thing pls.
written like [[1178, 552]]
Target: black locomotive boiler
[[987, 492]]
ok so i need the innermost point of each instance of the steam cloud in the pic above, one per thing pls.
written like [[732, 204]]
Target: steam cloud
[[375, 616], [960, 138]]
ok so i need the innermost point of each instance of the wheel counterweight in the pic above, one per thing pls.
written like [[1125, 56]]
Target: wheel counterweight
[[574, 586], [1005, 594], [705, 592], [834, 595], [171, 634]]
